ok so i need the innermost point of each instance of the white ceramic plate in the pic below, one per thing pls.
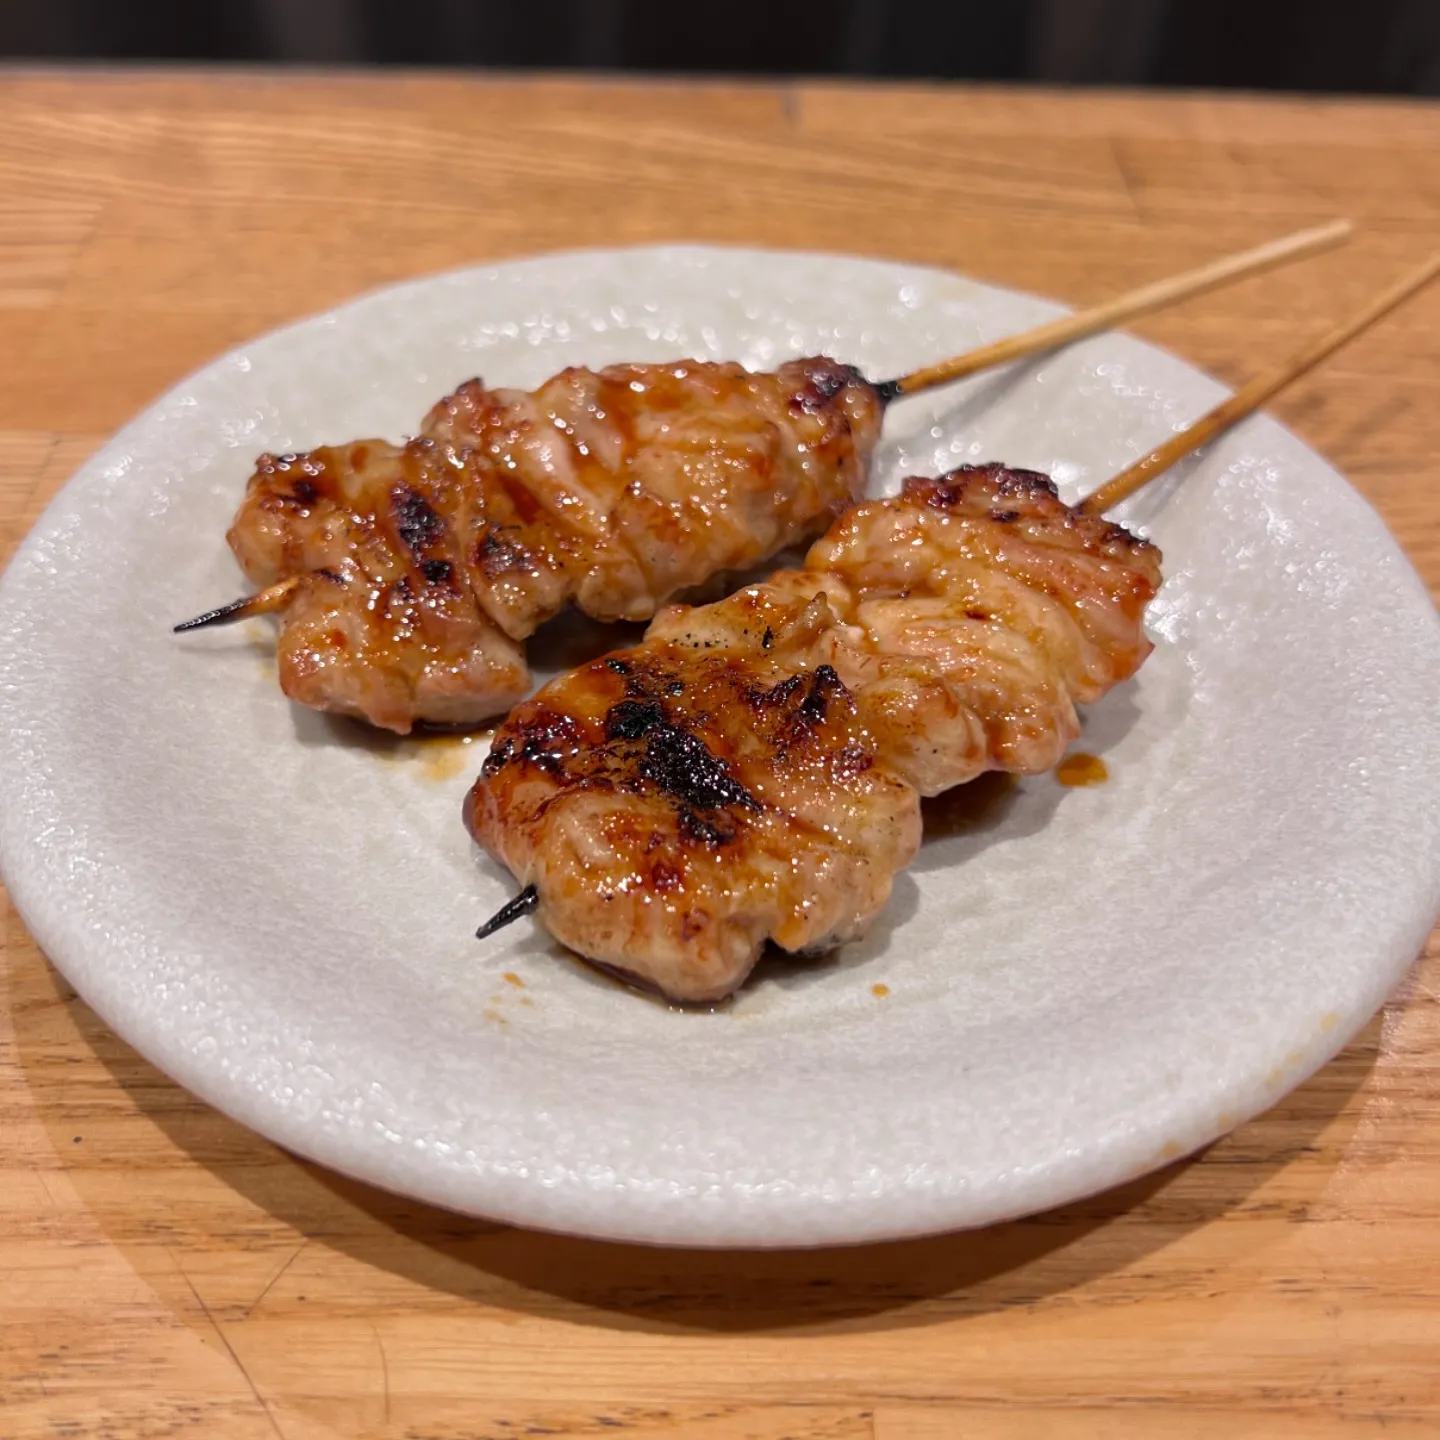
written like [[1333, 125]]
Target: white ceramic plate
[[1082, 983]]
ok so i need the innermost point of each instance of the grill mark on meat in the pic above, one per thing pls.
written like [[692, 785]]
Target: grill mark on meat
[[676, 761], [546, 737], [822, 385], [824, 684], [682, 765], [416, 522], [823, 687], [853, 760], [777, 694], [1027, 487], [630, 719], [1020, 483], [716, 829], [495, 555], [498, 758]]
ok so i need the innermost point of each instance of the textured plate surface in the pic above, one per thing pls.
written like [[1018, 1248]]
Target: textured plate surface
[[1082, 983]]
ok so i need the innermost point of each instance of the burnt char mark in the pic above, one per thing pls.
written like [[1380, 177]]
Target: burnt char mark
[[950, 489], [682, 765], [498, 758], [495, 555], [618, 667], [824, 686], [631, 719], [853, 760], [767, 639], [1024, 484], [648, 681], [934, 493], [438, 572], [416, 522], [718, 829], [1028, 489], [331, 576], [830, 381], [302, 492], [544, 739], [780, 694], [824, 380], [675, 761]]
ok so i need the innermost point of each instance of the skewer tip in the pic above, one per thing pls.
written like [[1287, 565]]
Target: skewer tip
[[512, 910], [221, 615], [261, 603]]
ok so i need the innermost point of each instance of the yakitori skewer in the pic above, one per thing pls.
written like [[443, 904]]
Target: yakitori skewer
[[408, 577], [752, 771]]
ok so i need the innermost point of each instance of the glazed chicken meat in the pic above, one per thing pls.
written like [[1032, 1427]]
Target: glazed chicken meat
[[752, 771], [409, 576]]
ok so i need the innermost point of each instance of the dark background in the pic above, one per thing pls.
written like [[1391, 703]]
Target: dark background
[[1385, 46]]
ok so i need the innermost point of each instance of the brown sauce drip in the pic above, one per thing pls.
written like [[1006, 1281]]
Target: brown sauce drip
[[1082, 769], [445, 755]]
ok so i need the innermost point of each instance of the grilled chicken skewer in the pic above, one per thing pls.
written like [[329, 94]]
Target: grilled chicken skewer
[[419, 570], [407, 578], [752, 771]]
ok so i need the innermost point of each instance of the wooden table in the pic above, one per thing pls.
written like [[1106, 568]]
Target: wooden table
[[166, 1272]]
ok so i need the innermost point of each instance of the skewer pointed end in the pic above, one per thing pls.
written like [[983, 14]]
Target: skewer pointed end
[[523, 904], [221, 615], [261, 603]]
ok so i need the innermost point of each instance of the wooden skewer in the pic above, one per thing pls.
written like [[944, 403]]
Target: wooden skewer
[[1249, 398], [262, 602], [1143, 301]]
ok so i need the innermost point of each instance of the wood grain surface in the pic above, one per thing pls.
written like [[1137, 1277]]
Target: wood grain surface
[[166, 1272]]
